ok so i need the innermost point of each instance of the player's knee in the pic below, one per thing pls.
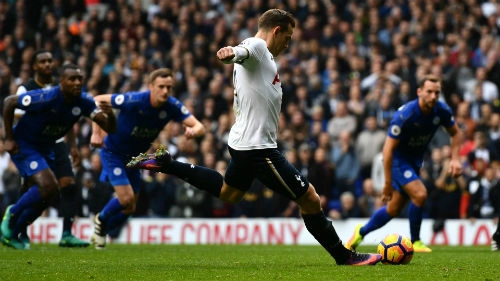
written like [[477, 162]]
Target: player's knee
[[48, 189], [128, 201], [419, 198]]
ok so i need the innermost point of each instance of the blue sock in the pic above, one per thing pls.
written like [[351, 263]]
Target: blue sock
[[379, 219], [29, 199], [115, 224], [26, 217], [112, 208], [415, 217]]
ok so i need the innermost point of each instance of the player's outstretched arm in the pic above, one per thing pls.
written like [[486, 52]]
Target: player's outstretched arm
[[193, 127], [103, 115], [230, 54]]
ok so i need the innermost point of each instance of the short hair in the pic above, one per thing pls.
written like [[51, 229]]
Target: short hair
[[276, 17], [429, 77], [161, 72], [36, 53], [67, 66]]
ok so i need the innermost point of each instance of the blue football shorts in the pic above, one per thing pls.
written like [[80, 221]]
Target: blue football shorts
[[115, 172], [404, 172], [32, 159]]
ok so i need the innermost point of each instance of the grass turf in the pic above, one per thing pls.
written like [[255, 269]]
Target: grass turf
[[242, 262]]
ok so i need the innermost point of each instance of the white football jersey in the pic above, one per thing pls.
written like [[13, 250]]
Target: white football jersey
[[257, 98]]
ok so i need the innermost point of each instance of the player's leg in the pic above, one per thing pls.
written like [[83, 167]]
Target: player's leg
[[123, 202], [418, 194], [402, 174], [380, 218], [275, 172], [495, 238], [28, 207], [68, 208], [67, 203], [198, 176], [114, 171], [23, 233]]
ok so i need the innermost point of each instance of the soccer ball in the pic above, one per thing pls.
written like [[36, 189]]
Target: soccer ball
[[395, 249]]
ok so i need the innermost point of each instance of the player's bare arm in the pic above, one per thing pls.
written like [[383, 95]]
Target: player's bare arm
[[9, 107], [193, 128], [104, 116], [98, 134], [455, 168]]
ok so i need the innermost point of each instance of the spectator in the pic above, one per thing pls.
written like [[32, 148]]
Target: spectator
[[479, 188], [488, 89], [370, 200], [445, 198], [344, 46], [346, 163], [482, 149], [341, 121], [348, 207], [4, 166], [368, 144], [322, 175]]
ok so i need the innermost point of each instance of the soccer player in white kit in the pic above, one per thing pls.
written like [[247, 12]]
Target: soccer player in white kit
[[252, 139]]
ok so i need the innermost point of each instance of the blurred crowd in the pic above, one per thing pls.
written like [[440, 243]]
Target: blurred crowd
[[349, 66]]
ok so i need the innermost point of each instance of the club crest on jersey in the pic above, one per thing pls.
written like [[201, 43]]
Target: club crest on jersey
[[395, 130], [76, 111], [184, 110], [436, 120], [297, 177], [119, 99], [26, 100], [33, 165], [407, 174], [162, 114], [117, 171]]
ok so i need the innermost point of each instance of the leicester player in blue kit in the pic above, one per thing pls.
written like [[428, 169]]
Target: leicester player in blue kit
[[253, 138], [43, 65], [49, 115], [142, 116], [411, 129]]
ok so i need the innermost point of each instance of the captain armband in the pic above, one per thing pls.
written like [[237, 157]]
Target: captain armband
[[240, 54], [95, 112]]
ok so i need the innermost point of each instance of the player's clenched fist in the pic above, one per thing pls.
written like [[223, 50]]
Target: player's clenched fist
[[225, 53]]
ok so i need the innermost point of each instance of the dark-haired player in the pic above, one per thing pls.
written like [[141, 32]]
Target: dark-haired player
[[43, 66], [410, 130], [49, 115]]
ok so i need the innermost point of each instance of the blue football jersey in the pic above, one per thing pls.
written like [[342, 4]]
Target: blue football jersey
[[414, 130], [48, 116], [139, 123]]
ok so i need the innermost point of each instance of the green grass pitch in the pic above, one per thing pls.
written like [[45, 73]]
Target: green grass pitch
[[237, 262]]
